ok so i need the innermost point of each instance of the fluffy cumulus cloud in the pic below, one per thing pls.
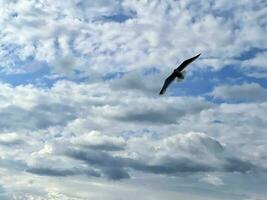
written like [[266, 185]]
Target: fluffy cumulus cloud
[[81, 117], [104, 36]]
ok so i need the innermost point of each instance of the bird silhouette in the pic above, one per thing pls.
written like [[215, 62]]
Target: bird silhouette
[[178, 73]]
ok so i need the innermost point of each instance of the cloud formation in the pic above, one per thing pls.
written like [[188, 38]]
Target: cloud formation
[[245, 92], [87, 37], [80, 112], [172, 155]]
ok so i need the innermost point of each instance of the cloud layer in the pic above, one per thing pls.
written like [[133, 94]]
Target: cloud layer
[[80, 112], [97, 37], [96, 135]]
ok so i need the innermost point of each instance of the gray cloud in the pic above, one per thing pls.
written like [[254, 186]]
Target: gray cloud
[[115, 173], [138, 81], [97, 158], [106, 147], [110, 165], [40, 117], [61, 172], [170, 166], [115, 166], [237, 165], [179, 154], [51, 172], [161, 113], [13, 164]]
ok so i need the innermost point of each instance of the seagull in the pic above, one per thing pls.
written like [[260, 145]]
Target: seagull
[[178, 73]]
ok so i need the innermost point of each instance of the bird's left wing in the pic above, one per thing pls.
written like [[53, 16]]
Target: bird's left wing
[[167, 82]]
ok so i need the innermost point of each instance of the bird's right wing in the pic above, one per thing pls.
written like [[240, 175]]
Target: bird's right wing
[[167, 82], [187, 62]]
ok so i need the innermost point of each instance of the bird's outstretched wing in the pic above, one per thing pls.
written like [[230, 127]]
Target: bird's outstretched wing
[[167, 82], [187, 62]]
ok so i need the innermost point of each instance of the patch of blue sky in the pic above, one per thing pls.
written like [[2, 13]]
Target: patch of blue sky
[[151, 71], [25, 78], [139, 133], [226, 14], [120, 18], [7, 51], [42, 77], [145, 71], [28, 72], [250, 53], [113, 75]]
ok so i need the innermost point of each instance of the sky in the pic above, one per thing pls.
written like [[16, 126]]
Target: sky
[[80, 114]]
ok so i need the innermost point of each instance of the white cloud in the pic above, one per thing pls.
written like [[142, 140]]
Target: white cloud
[[10, 139], [247, 91], [258, 61], [72, 28], [256, 66], [213, 180], [96, 140]]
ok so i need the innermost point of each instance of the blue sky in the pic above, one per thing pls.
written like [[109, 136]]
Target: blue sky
[[81, 117]]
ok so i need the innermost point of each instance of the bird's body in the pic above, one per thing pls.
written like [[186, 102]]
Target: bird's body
[[177, 74]]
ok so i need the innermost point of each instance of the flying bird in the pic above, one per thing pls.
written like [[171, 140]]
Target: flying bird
[[178, 73]]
